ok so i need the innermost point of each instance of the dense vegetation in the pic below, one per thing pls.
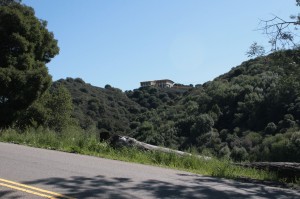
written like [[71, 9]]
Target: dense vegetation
[[102, 109], [251, 113], [25, 47]]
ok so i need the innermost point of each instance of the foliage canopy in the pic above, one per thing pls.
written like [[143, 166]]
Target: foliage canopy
[[25, 47]]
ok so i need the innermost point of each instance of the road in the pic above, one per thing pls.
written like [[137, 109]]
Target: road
[[78, 176]]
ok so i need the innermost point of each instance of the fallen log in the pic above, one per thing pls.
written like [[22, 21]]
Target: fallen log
[[289, 170], [125, 141]]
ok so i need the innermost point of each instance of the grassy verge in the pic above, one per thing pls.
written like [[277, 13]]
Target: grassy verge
[[76, 141]]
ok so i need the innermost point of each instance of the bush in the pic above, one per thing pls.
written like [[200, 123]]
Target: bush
[[239, 154], [270, 128]]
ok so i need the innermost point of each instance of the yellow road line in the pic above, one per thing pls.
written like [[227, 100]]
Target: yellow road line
[[26, 190], [33, 188]]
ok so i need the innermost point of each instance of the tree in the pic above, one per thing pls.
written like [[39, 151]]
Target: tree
[[25, 47], [147, 133], [52, 110], [203, 124], [281, 32], [8, 2], [61, 106], [239, 154], [255, 50]]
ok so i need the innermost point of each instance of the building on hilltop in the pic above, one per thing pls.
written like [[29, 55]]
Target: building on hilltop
[[164, 83]]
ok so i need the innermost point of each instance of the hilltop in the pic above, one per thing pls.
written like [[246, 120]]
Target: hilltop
[[250, 113]]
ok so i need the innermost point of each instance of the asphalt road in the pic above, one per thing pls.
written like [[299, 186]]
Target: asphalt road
[[81, 176]]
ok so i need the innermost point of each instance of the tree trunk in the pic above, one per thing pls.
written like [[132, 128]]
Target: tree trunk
[[124, 141]]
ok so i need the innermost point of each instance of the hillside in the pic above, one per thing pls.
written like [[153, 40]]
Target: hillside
[[103, 109], [250, 113]]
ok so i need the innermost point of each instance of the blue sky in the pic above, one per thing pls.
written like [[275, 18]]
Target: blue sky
[[123, 42]]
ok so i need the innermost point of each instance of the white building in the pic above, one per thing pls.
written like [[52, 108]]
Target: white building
[[164, 83]]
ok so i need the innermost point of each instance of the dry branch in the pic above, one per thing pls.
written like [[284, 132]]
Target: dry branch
[[124, 141]]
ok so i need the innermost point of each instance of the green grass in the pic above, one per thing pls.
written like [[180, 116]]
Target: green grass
[[74, 140]]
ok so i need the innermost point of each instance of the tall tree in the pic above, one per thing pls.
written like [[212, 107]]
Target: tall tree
[[52, 110], [26, 46]]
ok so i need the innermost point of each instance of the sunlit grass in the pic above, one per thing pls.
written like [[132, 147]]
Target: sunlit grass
[[74, 140]]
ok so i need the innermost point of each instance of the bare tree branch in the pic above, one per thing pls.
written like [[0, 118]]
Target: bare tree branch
[[279, 32]]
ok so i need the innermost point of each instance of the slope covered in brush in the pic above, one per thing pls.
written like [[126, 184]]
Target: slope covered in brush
[[105, 109], [252, 112]]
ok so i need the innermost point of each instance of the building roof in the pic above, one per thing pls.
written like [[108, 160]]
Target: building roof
[[167, 80]]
